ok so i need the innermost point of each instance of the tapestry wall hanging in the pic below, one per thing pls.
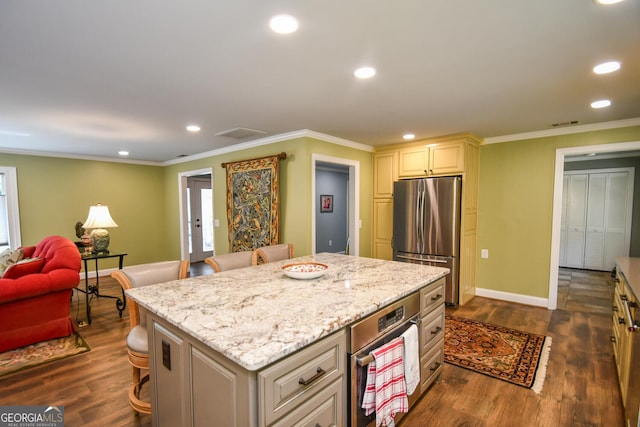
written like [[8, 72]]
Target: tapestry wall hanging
[[253, 202]]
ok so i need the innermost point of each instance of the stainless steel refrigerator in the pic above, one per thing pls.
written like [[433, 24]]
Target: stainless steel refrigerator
[[426, 225]]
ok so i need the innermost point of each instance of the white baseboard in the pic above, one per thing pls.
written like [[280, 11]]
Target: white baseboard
[[92, 274], [510, 297]]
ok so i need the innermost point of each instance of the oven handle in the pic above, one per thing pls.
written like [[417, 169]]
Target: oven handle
[[368, 358]]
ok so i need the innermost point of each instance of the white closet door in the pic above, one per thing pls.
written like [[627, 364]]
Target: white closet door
[[596, 218], [618, 223], [596, 226], [563, 221], [576, 220]]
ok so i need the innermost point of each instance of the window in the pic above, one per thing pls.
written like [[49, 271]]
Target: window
[[9, 213]]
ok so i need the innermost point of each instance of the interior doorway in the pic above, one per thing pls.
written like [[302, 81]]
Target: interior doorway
[[332, 214], [556, 226], [596, 217], [350, 169], [195, 192]]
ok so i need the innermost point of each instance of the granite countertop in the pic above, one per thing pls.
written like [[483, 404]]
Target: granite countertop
[[630, 268], [257, 315]]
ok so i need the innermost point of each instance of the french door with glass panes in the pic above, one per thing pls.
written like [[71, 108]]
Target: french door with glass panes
[[596, 217], [200, 217]]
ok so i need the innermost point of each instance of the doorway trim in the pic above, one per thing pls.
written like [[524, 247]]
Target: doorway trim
[[554, 264], [182, 208], [354, 199]]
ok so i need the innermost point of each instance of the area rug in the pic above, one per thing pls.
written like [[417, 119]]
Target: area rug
[[43, 352], [508, 354]]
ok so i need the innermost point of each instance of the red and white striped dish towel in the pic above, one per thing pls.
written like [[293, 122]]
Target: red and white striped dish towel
[[385, 392]]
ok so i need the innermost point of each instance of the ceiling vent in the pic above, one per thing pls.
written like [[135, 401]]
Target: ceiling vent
[[241, 133], [571, 123]]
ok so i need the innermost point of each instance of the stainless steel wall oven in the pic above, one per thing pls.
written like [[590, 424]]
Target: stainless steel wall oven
[[369, 334]]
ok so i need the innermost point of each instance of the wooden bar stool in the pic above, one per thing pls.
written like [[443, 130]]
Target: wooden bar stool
[[230, 261], [273, 253], [137, 342]]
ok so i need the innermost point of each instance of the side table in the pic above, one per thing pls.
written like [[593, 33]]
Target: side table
[[121, 303]]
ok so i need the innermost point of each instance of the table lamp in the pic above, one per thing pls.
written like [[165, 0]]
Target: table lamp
[[99, 219]]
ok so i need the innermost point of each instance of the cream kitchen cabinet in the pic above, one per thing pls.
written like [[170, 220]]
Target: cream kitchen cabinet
[[385, 164], [386, 167], [431, 159], [621, 337], [382, 217], [445, 156], [626, 344]]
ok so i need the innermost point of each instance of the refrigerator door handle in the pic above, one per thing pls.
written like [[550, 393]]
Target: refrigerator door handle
[[437, 261], [417, 217], [421, 219]]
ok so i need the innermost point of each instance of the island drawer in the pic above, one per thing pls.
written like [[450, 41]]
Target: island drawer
[[323, 409], [431, 366], [292, 381], [431, 297], [432, 329]]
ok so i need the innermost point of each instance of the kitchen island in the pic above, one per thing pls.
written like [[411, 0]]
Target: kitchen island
[[219, 344]]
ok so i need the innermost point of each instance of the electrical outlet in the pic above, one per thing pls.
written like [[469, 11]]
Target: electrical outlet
[[484, 253], [330, 242]]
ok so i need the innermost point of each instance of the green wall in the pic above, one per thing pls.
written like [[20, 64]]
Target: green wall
[[295, 196], [516, 205], [54, 193]]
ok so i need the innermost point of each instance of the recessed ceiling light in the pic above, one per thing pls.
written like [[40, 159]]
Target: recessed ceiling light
[[408, 136], [193, 128], [123, 153], [365, 72], [607, 1], [283, 24], [603, 103], [606, 67]]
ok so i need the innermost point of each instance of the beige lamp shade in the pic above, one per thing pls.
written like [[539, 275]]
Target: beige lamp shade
[[99, 218]]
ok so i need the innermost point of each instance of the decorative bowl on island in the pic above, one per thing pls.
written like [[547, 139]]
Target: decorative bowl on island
[[305, 270]]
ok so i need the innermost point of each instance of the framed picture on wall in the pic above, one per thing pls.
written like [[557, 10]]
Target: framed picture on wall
[[326, 203]]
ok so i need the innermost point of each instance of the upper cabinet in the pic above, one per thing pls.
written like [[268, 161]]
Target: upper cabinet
[[429, 159], [385, 165]]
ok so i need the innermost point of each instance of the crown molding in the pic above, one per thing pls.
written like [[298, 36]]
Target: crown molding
[[564, 131], [77, 157], [303, 133]]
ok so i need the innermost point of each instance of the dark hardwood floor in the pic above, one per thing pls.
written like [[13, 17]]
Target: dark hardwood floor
[[580, 387]]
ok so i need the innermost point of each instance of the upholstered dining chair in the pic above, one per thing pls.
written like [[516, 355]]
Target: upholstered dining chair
[[272, 253], [230, 261], [137, 345]]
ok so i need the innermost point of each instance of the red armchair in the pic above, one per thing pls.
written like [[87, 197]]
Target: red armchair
[[35, 297]]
